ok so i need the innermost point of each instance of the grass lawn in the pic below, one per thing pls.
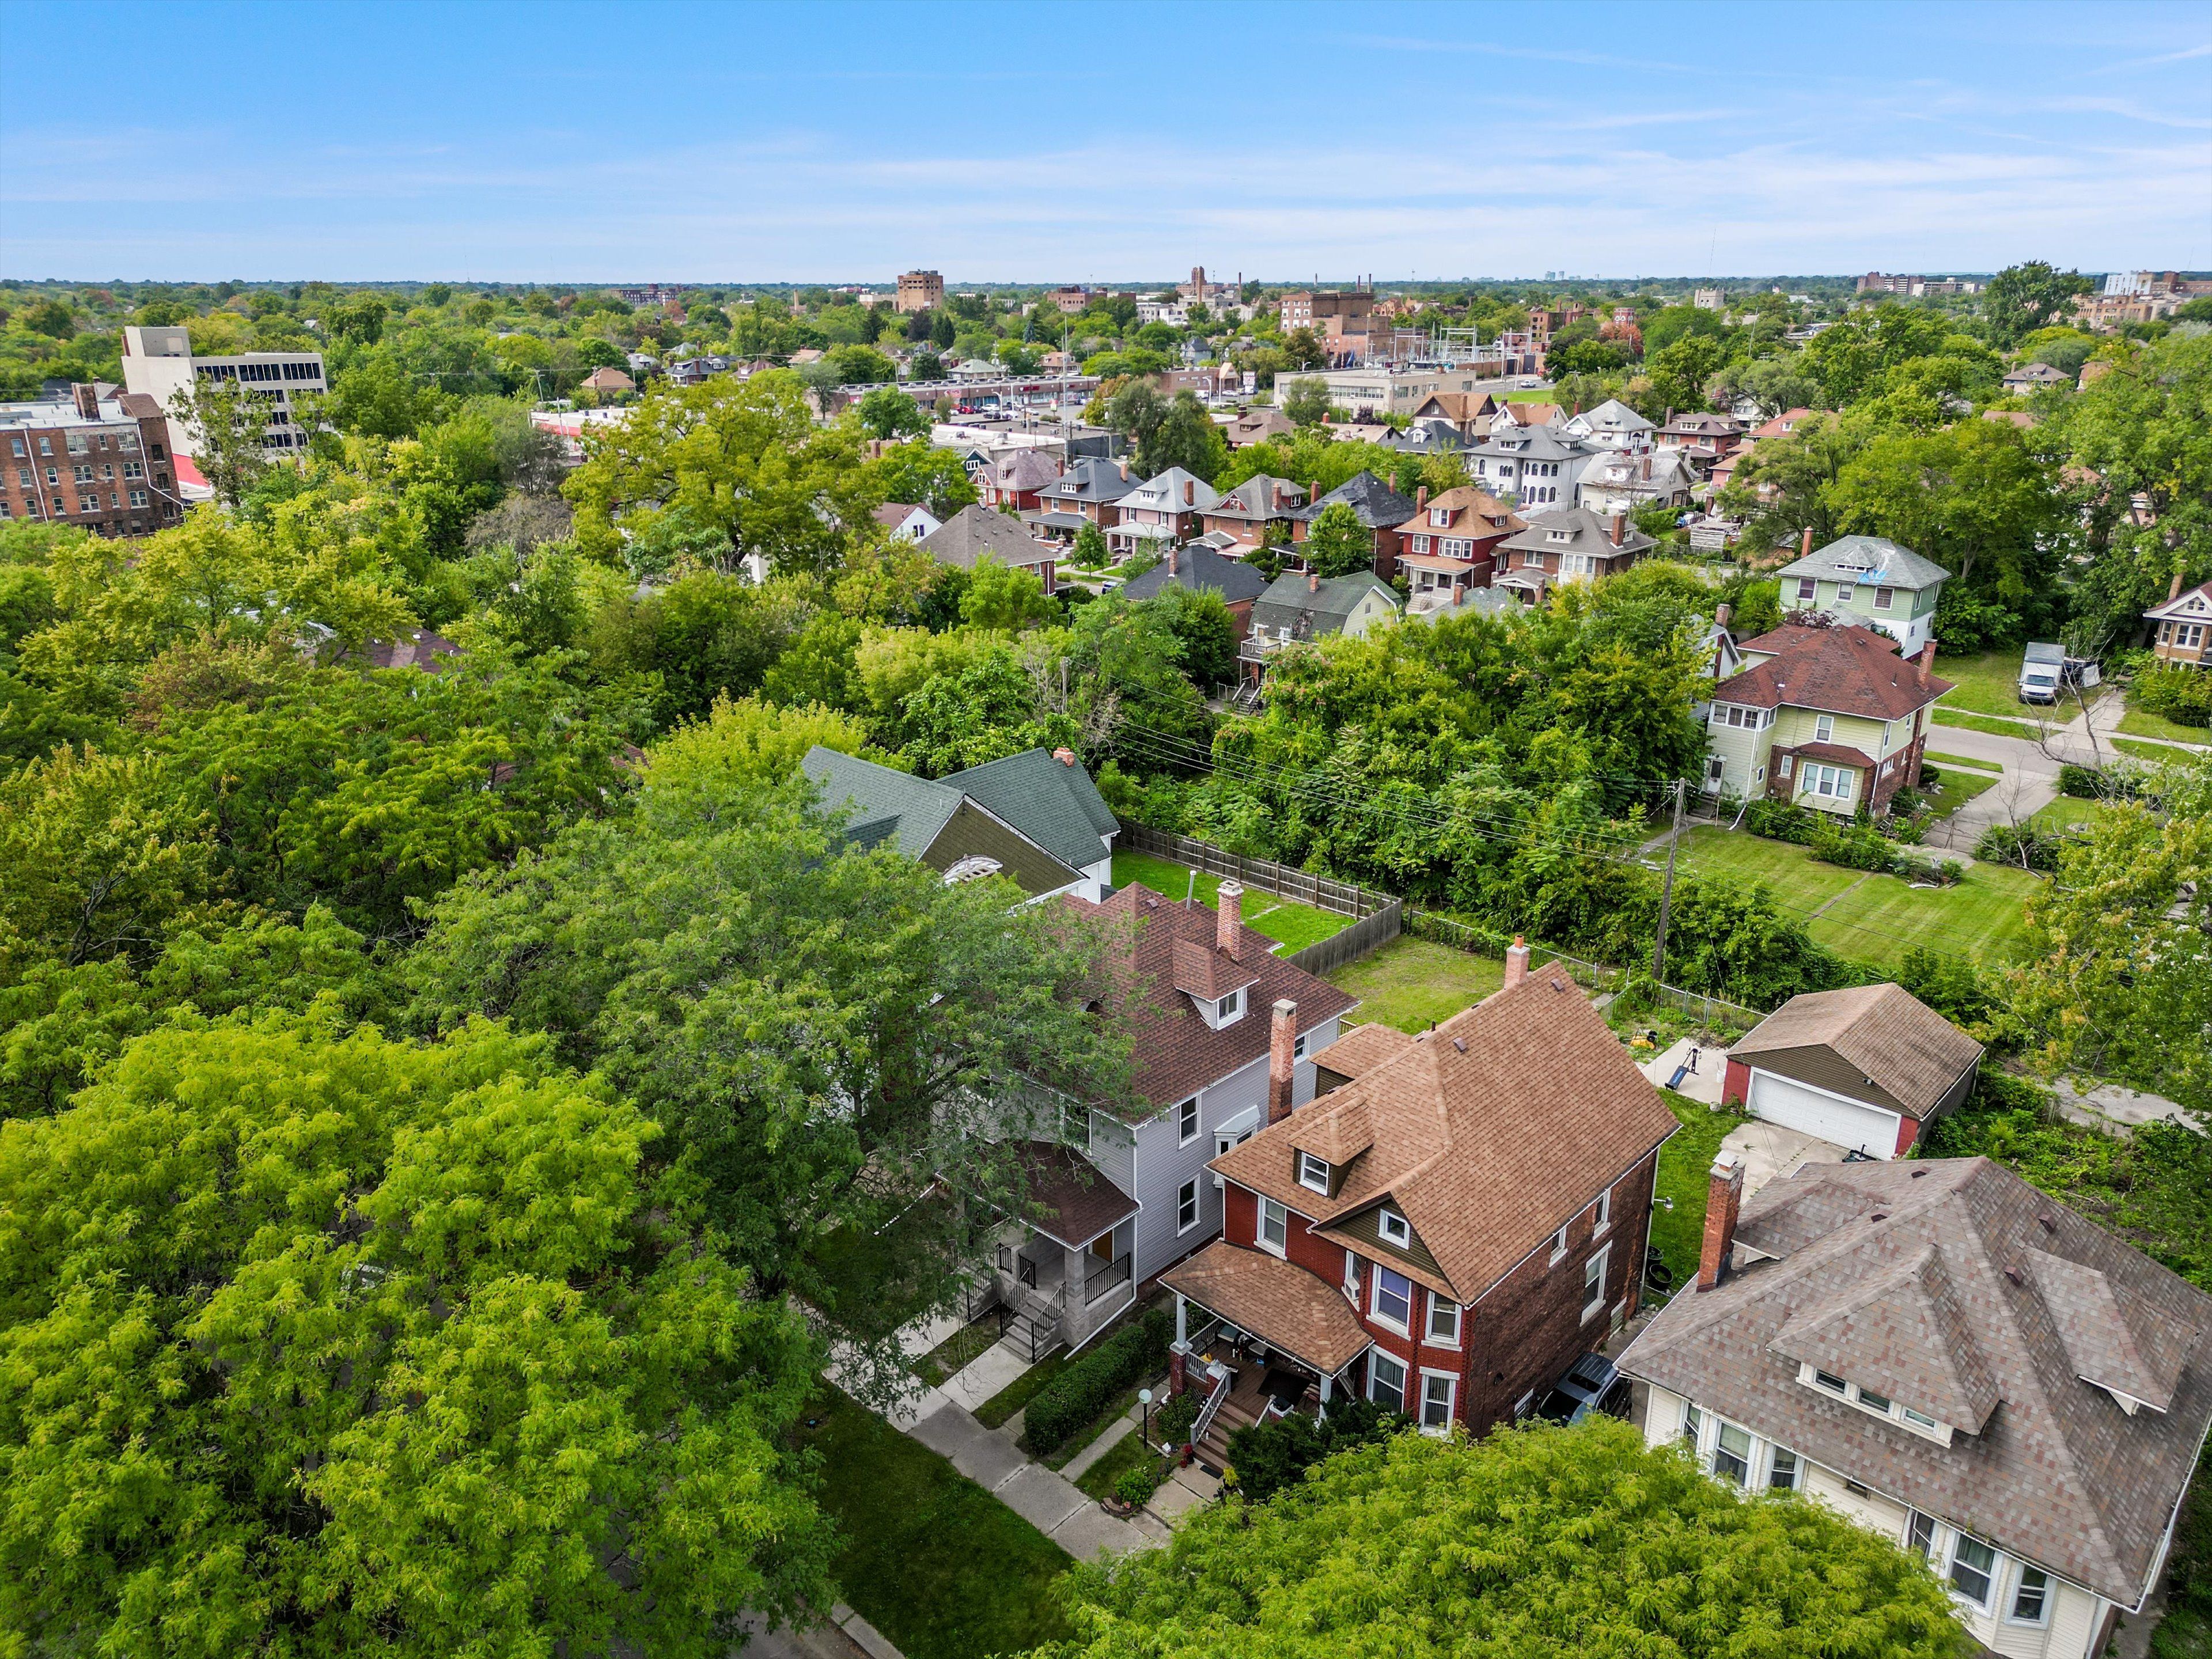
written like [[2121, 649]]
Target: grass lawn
[[1959, 786], [1126, 1454], [1019, 1392], [2138, 723], [1411, 982], [933, 1561], [2062, 815], [1987, 682], [1996, 728], [1875, 919], [1966, 761], [1685, 1165], [2157, 753], [1291, 925], [954, 1354]]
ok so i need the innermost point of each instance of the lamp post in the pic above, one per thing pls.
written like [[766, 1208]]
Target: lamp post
[[1145, 1399]]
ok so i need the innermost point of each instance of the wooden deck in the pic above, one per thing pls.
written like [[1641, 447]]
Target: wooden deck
[[1247, 1397]]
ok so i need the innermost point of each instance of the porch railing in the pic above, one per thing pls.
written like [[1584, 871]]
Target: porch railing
[[1223, 1378], [1098, 1284]]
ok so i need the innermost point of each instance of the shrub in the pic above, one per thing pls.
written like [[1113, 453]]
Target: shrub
[[2183, 695], [2083, 782], [1269, 1456], [1173, 1421], [1079, 1393], [2018, 845], [1854, 848], [1133, 1485], [1780, 820]]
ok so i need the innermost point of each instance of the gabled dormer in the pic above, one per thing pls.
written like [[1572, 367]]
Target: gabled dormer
[[1218, 986]]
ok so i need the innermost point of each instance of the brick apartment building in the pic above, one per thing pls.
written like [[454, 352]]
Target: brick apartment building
[[920, 290], [103, 463], [1342, 319]]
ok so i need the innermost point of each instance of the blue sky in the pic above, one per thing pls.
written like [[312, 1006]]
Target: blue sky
[[1035, 142]]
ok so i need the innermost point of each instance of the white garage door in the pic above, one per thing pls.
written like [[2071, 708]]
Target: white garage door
[[1795, 1106]]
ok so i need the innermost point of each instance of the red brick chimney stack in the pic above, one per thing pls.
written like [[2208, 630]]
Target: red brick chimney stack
[[1065, 756], [1282, 1052], [1229, 918], [1190, 492], [1927, 660], [2175, 592], [1517, 962], [1620, 527], [1421, 496], [1805, 551], [1313, 581], [1724, 1198], [1174, 553]]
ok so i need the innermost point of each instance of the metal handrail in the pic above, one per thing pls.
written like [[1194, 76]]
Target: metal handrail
[[1223, 1378]]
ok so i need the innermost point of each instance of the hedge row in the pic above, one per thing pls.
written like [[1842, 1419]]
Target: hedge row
[[1079, 1393]]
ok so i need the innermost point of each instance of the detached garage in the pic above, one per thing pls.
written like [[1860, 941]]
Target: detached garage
[[1863, 1068]]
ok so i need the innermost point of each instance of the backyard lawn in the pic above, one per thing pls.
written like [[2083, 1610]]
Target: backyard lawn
[[930, 1559], [1875, 919], [1411, 983], [1292, 925], [1685, 1166]]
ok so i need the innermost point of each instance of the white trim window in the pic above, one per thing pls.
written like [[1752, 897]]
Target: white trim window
[[1187, 1207], [1298, 1046], [1393, 1228], [1784, 1472], [1443, 1323], [1275, 1232], [1393, 1302], [2031, 1597], [1973, 1573], [1693, 1424], [1807, 590], [1883, 598], [1439, 1393], [1186, 1122], [1386, 1380], [1351, 1277], [1313, 1172], [1824, 727], [1594, 1285], [1230, 1009], [1604, 1216], [1829, 782], [1732, 1454], [1558, 1248]]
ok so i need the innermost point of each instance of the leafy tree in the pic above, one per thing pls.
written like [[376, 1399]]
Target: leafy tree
[[2115, 981], [1781, 489], [1540, 1543], [328, 1344], [1200, 620], [825, 1028], [859, 364], [230, 428], [1591, 356], [50, 318], [747, 744], [2023, 298], [1002, 597], [704, 634], [1090, 549], [1679, 372], [1273, 1457], [919, 472], [1301, 349], [743, 456], [1775, 384], [1307, 402], [820, 667], [600, 354], [990, 709], [1337, 544], [375, 397], [888, 412], [361, 320]]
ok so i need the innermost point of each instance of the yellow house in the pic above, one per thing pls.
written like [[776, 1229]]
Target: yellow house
[[1830, 717]]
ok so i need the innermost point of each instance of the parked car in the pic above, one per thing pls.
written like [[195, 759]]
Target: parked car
[[1593, 1383], [1528, 383]]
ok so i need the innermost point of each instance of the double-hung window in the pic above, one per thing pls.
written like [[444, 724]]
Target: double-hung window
[[1603, 1218], [1920, 1534], [1824, 728], [1386, 1381], [2031, 1597], [1186, 1122], [1313, 1172], [1558, 1248], [1594, 1285], [1187, 1206], [1444, 1320], [1732, 1454], [1393, 1297], [1807, 589], [1694, 1422], [1883, 598], [1973, 1570], [1275, 1226], [1782, 1474], [1436, 1400]]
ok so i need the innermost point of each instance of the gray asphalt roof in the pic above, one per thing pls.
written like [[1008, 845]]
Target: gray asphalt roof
[[1054, 804], [886, 806], [975, 530], [1290, 596], [1868, 559], [1379, 507], [1201, 570]]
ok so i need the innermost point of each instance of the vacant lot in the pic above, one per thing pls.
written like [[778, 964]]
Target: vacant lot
[[1875, 919], [1988, 683], [929, 1558], [1293, 926], [1411, 983]]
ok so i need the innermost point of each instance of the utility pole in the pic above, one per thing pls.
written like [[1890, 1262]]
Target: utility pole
[[1667, 888]]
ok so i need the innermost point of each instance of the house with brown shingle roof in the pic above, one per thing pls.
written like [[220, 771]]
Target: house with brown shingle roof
[[1956, 1361], [1199, 996], [1451, 541], [1413, 1236], [1866, 1067], [1830, 717]]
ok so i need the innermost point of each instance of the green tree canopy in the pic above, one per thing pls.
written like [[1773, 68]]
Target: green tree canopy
[[1337, 544], [1306, 403], [330, 1345], [2023, 298], [1536, 1543]]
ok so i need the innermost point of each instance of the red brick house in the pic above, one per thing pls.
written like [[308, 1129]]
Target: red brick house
[[1454, 537], [1451, 1221], [1019, 481]]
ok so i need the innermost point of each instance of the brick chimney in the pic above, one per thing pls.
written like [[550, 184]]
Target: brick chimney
[[2175, 592], [1721, 612], [1282, 1052], [1421, 496], [1806, 550], [1065, 756], [1229, 918], [1313, 580], [1927, 660], [1517, 962], [1174, 556], [1190, 492], [1723, 1198], [1620, 527], [87, 397], [1647, 467]]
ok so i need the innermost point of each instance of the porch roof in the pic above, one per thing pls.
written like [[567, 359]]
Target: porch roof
[[1071, 1202], [1836, 754], [1284, 1306]]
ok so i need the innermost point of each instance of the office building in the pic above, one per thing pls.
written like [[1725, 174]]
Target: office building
[[158, 362]]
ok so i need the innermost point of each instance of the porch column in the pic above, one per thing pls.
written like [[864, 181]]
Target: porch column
[[1182, 1321], [1328, 1385], [1075, 1307]]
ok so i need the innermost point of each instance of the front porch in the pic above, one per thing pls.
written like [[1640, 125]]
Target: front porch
[[1059, 1277]]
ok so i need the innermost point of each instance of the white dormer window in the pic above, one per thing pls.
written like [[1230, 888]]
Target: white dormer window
[[1875, 1404], [1229, 1008], [1393, 1228], [1440, 516], [1559, 535], [1313, 1172]]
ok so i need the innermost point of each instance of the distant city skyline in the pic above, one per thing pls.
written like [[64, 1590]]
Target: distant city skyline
[[845, 143]]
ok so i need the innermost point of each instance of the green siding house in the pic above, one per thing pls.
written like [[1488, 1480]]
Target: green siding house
[[1870, 580]]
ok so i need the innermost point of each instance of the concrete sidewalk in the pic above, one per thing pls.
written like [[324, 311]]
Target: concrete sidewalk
[[1048, 1501]]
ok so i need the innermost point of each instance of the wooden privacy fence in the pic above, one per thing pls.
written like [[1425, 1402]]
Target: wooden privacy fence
[[1341, 899], [1370, 933]]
